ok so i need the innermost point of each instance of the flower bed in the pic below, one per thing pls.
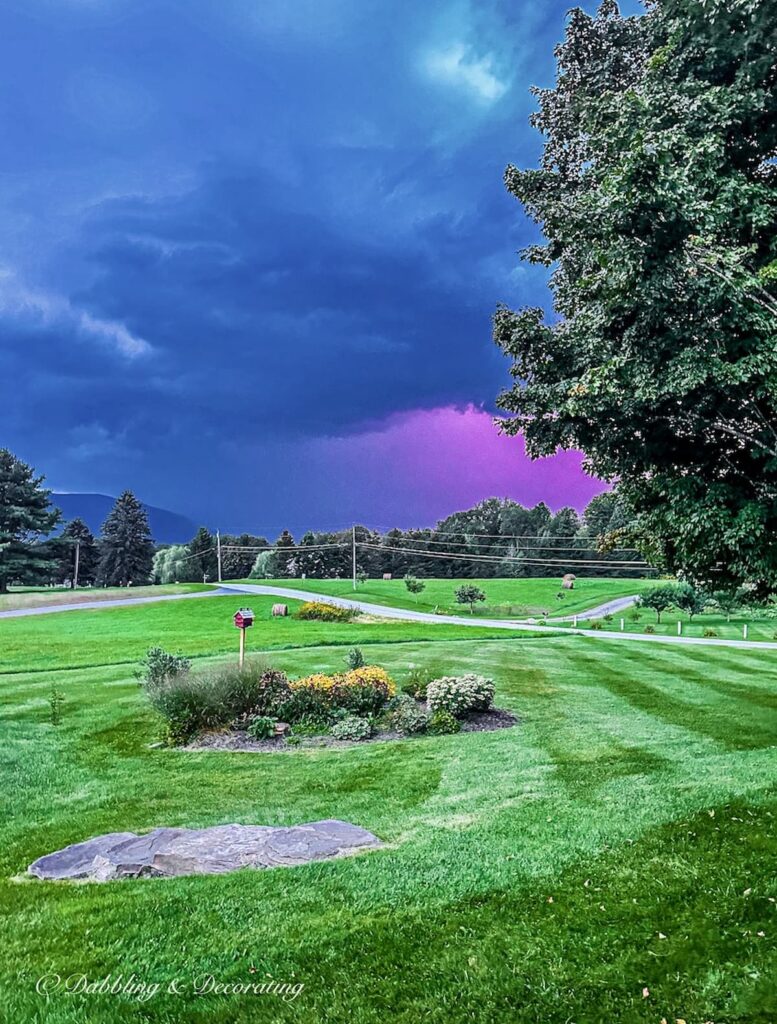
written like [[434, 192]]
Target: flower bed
[[257, 707]]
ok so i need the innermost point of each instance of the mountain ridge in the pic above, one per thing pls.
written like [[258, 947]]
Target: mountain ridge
[[166, 527]]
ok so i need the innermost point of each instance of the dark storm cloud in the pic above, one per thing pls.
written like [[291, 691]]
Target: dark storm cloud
[[267, 309], [277, 220]]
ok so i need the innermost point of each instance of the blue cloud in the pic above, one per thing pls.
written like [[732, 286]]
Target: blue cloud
[[278, 220]]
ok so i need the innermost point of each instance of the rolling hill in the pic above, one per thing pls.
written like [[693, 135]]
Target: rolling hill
[[166, 527]]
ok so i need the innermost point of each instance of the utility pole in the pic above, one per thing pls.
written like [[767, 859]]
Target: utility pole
[[218, 552], [353, 539], [75, 570]]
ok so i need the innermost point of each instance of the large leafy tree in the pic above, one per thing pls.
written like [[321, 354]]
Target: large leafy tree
[[126, 548], [657, 197], [238, 554], [282, 563], [171, 564], [26, 515]]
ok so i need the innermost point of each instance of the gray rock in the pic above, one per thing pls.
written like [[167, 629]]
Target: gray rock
[[169, 852]]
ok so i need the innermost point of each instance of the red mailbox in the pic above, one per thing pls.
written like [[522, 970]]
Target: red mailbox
[[244, 617]]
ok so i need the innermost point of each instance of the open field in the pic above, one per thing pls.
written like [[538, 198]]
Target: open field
[[504, 598], [80, 639], [39, 597], [757, 629], [611, 859]]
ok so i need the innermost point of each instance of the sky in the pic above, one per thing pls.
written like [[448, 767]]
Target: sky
[[251, 249]]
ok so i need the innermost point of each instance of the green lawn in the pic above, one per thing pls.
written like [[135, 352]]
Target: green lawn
[[80, 639], [504, 598], [620, 840]]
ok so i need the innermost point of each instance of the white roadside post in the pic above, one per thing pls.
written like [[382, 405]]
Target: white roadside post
[[623, 625], [679, 628], [744, 632], [574, 621]]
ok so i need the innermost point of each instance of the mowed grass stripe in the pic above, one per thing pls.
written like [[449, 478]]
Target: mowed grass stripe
[[660, 688], [452, 922]]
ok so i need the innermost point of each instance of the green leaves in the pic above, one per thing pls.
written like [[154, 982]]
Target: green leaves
[[657, 195]]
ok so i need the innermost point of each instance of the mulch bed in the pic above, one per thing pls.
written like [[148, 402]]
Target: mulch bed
[[239, 740]]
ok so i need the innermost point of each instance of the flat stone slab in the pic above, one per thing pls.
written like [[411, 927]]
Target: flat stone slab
[[170, 852]]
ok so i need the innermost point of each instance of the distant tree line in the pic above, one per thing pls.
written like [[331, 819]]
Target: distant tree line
[[30, 552], [495, 538]]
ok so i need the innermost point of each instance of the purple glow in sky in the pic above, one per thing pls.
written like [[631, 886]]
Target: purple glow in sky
[[422, 465]]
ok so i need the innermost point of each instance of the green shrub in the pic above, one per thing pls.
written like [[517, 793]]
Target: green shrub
[[608, 617], [354, 658], [351, 727], [460, 695], [649, 628], [417, 681], [596, 624], [261, 727], [309, 707], [191, 702], [406, 715], [160, 664], [322, 612], [56, 703], [441, 723], [634, 616], [710, 634]]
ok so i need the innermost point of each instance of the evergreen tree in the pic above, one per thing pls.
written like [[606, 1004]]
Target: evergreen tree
[[77, 536], [238, 555], [202, 565], [126, 548], [25, 516]]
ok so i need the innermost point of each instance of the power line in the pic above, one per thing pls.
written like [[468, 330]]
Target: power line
[[227, 547], [534, 547], [599, 563]]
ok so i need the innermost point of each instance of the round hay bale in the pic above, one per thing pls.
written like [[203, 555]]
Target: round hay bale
[[386, 575], [279, 610], [568, 581]]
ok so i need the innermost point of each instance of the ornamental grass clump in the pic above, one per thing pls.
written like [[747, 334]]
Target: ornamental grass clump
[[460, 695], [222, 695]]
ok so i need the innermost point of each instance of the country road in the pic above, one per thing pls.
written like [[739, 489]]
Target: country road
[[618, 604], [119, 602], [408, 614], [386, 612]]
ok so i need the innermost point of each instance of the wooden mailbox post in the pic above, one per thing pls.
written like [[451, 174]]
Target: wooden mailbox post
[[243, 618]]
